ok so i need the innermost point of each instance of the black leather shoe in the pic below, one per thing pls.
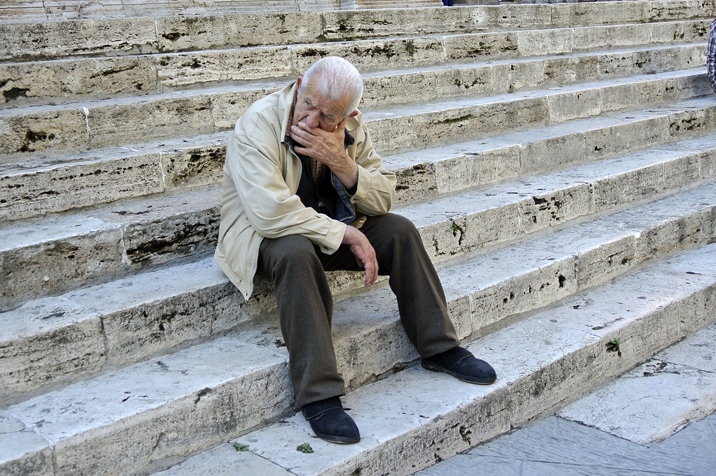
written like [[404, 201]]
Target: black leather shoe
[[330, 422], [460, 363]]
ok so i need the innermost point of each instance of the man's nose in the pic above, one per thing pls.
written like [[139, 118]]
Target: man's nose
[[312, 120]]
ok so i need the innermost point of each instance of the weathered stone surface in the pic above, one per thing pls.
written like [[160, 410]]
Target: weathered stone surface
[[63, 81], [178, 33], [506, 283], [226, 65], [569, 14], [482, 46], [550, 42], [22, 451], [55, 253], [42, 130], [25, 194], [80, 37], [167, 238], [151, 313], [198, 167], [120, 122], [146, 417], [556, 207], [656, 399], [422, 402], [73, 334], [676, 9], [564, 359], [223, 461], [369, 337], [226, 108]]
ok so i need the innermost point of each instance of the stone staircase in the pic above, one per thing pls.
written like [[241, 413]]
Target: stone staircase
[[558, 159]]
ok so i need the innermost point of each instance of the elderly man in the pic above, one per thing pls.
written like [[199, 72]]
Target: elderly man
[[304, 193]]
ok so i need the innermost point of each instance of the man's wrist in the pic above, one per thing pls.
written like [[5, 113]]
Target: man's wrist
[[354, 188]]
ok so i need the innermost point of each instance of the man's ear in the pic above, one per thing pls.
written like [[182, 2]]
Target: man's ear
[[298, 82], [353, 114]]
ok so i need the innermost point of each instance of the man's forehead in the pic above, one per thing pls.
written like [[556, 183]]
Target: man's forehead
[[316, 97]]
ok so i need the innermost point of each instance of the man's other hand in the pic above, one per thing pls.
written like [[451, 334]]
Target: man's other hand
[[364, 253]]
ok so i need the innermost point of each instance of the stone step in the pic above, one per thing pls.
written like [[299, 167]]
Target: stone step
[[29, 189], [51, 254], [657, 399], [413, 419], [40, 132], [34, 10], [647, 421], [162, 34], [134, 419], [118, 323], [105, 77]]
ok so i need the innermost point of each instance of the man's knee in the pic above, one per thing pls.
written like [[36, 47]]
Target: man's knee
[[288, 251], [403, 229]]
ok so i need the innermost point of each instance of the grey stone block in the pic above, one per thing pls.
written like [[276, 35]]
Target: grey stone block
[[79, 37], [33, 83], [147, 418], [55, 253], [176, 33], [22, 451], [50, 128], [73, 334], [110, 126]]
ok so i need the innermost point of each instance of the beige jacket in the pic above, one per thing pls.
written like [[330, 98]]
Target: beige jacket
[[261, 177]]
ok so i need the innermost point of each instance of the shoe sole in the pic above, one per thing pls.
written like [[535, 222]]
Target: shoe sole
[[341, 440], [436, 368]]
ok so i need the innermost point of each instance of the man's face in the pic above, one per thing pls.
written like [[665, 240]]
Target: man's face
[[314, 111]]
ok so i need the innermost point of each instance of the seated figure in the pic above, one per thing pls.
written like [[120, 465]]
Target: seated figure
[[304, 193]]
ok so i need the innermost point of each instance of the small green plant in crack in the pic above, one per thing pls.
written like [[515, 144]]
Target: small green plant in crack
[[676, 34], [240, 447], [614, 345], [455, 228], [304, 448]]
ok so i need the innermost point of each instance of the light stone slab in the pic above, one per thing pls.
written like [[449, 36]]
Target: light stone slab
[[73, 334], [78, 37], [507, 340], [168, 228], [38, 82], [117, 122], [658, 398], [109, 175], [562, 363], [88, 422], [213, 25], [225, 460], [178, 33], [385, 411], [49, 254], [43, 129], [22, 451]]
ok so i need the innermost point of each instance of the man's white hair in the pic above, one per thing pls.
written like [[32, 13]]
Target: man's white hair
[[335, 79]]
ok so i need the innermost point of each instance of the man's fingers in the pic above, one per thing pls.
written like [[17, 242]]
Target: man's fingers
[[371, 272], [364, 253]]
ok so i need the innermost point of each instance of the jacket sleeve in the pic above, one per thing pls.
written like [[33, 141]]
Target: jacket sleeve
[[376, 185], [271, 208]]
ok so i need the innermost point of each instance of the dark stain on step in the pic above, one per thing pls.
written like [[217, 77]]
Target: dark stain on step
[[14, 93], [201, 394], [32, 137]]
